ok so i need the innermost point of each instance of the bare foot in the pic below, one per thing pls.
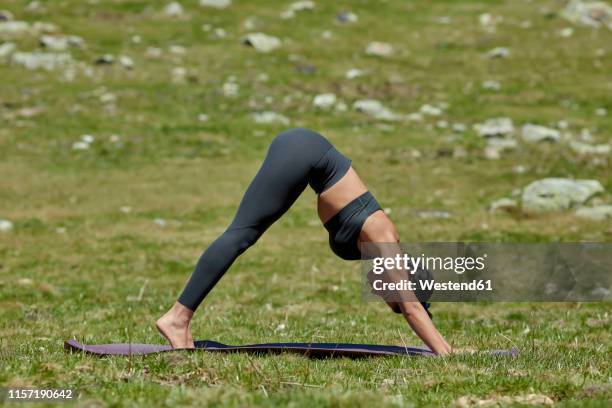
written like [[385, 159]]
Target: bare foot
[[174, 326]]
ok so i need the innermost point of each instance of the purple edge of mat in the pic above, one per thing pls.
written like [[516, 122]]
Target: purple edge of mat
[[314, 348]]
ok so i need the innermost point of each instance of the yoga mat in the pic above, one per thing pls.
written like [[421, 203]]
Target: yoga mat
[[314, 350]]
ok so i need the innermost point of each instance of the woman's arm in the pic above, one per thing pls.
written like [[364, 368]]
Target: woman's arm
[[419, 321]]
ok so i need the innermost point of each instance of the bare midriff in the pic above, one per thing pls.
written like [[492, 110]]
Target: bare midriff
[[339, 195]]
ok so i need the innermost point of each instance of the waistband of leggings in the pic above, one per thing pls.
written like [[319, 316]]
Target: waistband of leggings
[[356, 205]]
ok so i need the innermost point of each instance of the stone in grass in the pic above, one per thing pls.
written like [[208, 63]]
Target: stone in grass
[[13, 28], [585, 149], [269, 117], [106, 59], [6, 49], [324, 101], [261, 42], [6, 15], [174, 9], [219, 4], [354, 73], [556, 194], [297, 6], [499, 52], [536, 133], [589, 13], [60, 42], [6, 226], [375, 109], [503, 204], [495, 127], [40, 60], [491, 85], [379, 49], [596, 213], [346, 17]]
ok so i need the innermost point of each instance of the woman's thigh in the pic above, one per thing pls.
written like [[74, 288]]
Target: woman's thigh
[[339, 195]]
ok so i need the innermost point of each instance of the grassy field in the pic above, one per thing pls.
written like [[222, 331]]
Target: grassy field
[[104, 238]]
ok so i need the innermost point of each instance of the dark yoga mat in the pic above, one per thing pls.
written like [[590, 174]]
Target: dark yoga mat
[[314, 350]]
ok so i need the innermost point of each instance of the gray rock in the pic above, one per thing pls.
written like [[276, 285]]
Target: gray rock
[[375, 109], [555, 194], [10, 28], [6, 49], [503, 204], [346, 17], [60, 42], [261, 42], [106, 59], [491, 85], [126, 62], [6, 15], [40, 60], [174, 9], [496, 127], [433, 214], [297, 6], [586, 149], [6, 226], [219, 4], [354, 73], [430, 110], [588, 13], [596, 213], [379, 49], [499, 52], [536, 133], [324, 101], [268, 117]]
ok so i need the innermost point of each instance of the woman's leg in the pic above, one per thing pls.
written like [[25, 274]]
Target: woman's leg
[[281, 179]]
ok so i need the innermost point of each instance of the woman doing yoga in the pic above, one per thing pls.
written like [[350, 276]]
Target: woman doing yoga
[[297, 158]]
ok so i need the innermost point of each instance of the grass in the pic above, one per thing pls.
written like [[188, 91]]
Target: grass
[[75, 263]]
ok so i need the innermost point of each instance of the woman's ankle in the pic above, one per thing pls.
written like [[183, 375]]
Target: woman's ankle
[[180, 313]]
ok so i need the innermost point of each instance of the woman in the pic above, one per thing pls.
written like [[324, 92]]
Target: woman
[[350, 213]]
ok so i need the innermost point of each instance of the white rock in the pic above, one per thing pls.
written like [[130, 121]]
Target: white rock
[[88, 138], [324, 101], [153, 52], [596, 213], [42, 27], [430, 110], [261, 42], [346, 17], [230, 89], [489, 21], [297, 6], [268, 117], [7, 49], [125, 209], [80, 146], [220, 4], [354, 73], [554, 194], [6, 226], [60, 42], [536, 133], [202, 117], [491, 85], [13, 27], [414, 117], [566, 32], [588, 149], [433, 214], [179, 75], [502, 144], [601, 111], [126, 62], [38, 60], [379, 49], [375, 109], [499, 52], [174, 9], [588, 13], [459, 127], [495, 127], [177, 49], [160, 221], [503, 204]]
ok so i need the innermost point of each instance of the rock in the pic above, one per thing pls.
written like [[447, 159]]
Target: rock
[[503, 204], [491, 85], [499, 52], [555, 194], [375, 109], [566, 32], [179, 75], [596, 213], [459, 127], [354, 73], [586, 149], [88, 138], [60, 42], [126, 62], [230, 89], [345, 17], [430, 110], [38, 60], [261, 42], [42, 27], [489, 22], [324, 101], [177, 49], [160, 221], [153, 52], [433, 214], [502, 144], [588, 13], [6, 15], [203, 117], [106, 59], [174, 9], [601, 112], [10, 28], [6, 49], [219, 4], [536, 133], [80, 146], [268, 117], [6, 226], [297, 6], [496, 127], [379, 49]]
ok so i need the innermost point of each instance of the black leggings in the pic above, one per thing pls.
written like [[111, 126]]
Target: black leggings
[[295, 158]]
